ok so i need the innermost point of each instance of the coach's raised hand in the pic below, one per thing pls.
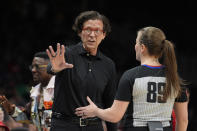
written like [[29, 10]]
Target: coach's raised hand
[[57, 59]]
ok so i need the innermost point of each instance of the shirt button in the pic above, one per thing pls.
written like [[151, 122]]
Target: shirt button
[[90, 70]]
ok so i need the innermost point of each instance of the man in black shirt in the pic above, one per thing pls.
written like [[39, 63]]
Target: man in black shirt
[[148, 93], [81, 71]]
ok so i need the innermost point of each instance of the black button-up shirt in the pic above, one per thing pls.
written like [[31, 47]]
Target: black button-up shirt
[[93, 76]]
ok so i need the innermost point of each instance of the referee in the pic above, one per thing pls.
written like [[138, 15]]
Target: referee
[[147, 93]]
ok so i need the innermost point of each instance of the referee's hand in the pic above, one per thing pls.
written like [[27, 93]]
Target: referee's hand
[[87, 111]]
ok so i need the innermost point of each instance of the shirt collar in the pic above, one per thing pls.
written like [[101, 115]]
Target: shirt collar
[[82, 51], [35, 90], [51, 83]]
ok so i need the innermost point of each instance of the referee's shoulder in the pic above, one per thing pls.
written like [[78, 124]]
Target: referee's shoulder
[[134, 69], [132, 72]]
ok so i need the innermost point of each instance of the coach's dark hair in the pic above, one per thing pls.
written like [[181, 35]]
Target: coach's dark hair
[[42, 55], [155, 41], [91, 15]]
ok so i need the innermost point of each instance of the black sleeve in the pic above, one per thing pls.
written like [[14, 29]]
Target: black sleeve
[[110, 90], [125, 88], [183, 95]]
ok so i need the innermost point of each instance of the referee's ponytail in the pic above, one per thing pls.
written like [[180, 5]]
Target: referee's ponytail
[[172, 77]]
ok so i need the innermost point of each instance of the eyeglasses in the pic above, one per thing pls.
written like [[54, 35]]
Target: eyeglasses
[[37, 67], [96, 31]]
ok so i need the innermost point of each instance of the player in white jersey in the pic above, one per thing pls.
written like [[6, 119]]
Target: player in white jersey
[[147, 93]]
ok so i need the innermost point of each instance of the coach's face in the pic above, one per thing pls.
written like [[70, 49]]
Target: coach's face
[[92, 34]]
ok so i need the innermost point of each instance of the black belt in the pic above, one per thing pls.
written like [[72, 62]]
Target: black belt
[[77, 120]]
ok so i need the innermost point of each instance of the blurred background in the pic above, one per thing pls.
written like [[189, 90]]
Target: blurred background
[[29, 26]]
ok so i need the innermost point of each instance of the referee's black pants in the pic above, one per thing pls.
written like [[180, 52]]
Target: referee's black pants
[[61, 125]]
